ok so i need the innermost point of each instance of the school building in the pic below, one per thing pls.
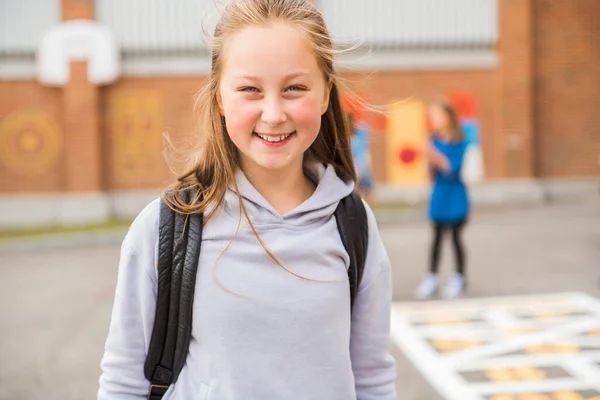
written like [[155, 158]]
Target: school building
[[87, 88]]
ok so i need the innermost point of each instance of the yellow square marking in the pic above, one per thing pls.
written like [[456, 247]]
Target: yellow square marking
[[567, 396], [534, 396], [454, 345], [553, 348]]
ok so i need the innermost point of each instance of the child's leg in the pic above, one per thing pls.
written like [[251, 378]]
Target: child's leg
[[438, 232], [429, 286], [459, 250], [456, 284]]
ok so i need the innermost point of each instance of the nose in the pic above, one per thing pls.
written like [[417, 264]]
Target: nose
[[273, 112]]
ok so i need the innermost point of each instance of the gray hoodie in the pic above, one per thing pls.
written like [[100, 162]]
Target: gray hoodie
[[259, 332]]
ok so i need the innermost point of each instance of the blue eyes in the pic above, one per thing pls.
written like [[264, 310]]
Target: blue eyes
[[251, 89]]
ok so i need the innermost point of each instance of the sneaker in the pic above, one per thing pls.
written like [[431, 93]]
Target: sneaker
[[427, 288], [455, 287]]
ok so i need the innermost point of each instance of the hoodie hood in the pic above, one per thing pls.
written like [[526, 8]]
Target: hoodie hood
[[321, 204]]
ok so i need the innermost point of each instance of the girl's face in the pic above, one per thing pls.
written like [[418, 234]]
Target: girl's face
[[438, 119], [272, 94]]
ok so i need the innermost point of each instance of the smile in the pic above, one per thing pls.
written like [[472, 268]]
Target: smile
[[273, 138]]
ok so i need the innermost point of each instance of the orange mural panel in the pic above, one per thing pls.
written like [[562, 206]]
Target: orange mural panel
[[406, 132]]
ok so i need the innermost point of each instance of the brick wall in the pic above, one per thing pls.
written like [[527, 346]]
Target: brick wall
[[77, 9], [136, 114], [515, 101], [82, 138], [138, 111], [567, 95], [538, 109], [31, 127], [385, 88]]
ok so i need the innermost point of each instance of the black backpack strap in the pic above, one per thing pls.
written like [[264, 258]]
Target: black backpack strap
[[353, 225], [179, 243]]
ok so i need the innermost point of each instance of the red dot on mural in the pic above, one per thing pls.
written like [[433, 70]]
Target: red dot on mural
[[408, 155]]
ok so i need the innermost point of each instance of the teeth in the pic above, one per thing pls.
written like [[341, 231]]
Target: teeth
[[273, 139]]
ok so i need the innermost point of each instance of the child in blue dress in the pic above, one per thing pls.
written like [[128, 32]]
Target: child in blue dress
[[449, 203], [362, 157]]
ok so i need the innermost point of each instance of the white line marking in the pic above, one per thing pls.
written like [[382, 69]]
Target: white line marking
[[518, 343], [499, 315], [501, 319], [583, 368], [561, 301], [534, 360], [448, 384], [588, 341], [589, 302], [554, 385]]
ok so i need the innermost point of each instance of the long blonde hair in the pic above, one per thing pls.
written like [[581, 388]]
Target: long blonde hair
[[215, 168]]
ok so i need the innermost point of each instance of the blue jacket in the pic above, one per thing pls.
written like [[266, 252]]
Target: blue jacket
[[360, 150], [449, 201]]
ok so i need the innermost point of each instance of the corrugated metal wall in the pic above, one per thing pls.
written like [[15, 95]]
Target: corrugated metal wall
[[413, 23], [168, 26], [22, 23], [158, 26]]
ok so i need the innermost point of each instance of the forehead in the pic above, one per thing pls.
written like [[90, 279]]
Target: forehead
[[268, 52]]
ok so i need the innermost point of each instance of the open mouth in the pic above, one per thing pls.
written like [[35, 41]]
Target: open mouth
[[274, 139]]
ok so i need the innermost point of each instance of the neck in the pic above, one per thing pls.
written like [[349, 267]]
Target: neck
[[284, 189]]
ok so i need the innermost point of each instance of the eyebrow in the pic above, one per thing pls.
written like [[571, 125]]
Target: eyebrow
[[285, 78]]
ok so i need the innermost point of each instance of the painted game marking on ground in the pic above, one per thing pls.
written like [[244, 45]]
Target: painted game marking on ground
[[538, 347]]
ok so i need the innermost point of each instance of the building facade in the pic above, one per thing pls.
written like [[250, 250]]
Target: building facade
[[528, 67]]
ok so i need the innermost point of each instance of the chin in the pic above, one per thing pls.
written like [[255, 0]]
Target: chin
[[275, 166], [275, 163]]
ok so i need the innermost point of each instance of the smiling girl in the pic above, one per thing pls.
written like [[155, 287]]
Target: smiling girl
[[271, 311]]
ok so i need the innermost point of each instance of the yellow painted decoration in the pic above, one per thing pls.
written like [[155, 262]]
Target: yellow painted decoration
[[138, 124], [530, 374], [499, 375], [31, 142], [515, 374], [454, 345], [553, 348], [567, 396], [534, 396]]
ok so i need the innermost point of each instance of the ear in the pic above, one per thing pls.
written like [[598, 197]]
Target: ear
[[325, 104], [220, 103]]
